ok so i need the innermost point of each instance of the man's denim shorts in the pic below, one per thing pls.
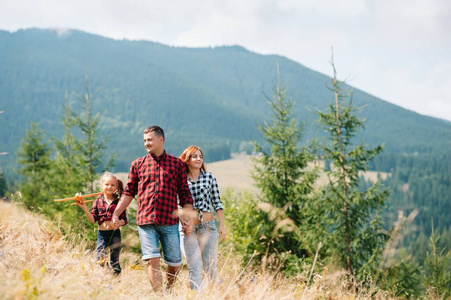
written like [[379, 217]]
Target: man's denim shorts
[[168, 235]]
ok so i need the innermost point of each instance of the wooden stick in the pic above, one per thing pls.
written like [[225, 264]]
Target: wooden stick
[[75, 198], [83, 201]]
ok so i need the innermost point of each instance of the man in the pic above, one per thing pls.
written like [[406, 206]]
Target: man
[[157, 179]]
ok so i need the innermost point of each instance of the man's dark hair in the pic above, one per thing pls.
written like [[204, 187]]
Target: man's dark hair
[[155, 129]]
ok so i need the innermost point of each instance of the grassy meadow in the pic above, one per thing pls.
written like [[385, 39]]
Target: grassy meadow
[[38, 262]]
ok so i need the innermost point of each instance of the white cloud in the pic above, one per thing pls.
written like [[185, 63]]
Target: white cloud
[[397, 50]]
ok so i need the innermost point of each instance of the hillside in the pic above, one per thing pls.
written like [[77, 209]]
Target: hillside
[[212, 97]]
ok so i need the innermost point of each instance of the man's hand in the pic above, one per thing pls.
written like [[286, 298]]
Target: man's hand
[[187, 215], [115, 221], [123, 204], [118, 224], [186, 226]]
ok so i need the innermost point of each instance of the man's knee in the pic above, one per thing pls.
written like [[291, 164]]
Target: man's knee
[[154, 262]]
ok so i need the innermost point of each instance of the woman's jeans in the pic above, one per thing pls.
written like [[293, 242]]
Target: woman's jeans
[[112, 239], [201, 249]]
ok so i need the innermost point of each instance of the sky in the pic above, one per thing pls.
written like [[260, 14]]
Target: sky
[[397, 50]]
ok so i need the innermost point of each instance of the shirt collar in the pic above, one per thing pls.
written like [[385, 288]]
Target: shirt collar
[[202, 173], [115, 198], [158, 158]]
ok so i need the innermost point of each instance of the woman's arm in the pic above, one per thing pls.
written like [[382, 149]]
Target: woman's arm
[[222, 230], [219, 207]]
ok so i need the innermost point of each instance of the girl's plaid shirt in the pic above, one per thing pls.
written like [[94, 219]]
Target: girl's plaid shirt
[[102, 212]]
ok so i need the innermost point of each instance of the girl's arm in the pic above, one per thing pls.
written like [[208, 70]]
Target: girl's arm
[[222, 231], [88, 214]]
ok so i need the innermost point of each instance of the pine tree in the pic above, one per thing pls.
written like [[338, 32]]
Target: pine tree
[[2, 183], [35, 164], [2, 178], [67, 172], [350, 215], [90, 148], [437, 268], [281, 175]]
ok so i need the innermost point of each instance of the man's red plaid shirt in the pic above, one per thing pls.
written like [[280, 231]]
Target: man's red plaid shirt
[[157, 181]]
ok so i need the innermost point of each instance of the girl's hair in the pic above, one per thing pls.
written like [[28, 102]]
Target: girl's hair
[[188, 153], [120, 184], [120, 188]]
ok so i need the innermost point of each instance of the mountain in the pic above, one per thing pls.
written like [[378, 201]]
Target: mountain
[[213, 97]]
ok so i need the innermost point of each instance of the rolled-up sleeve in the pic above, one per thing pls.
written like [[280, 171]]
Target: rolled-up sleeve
[[123, 216], [182, 186], [95, 211], [215, 196], [131, 188]]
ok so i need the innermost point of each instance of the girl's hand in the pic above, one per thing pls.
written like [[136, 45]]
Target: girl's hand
[[79, 200], [117, 225], [222, 232]]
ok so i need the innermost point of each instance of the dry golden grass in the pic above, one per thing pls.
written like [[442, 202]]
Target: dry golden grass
[[235, 173], [38, 262]]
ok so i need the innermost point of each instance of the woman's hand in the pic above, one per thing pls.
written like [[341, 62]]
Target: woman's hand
[[186, 226], [222, 232]]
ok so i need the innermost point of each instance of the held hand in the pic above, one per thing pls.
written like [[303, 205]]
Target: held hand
[[187, 226], [120, 224], [222, 233], [115, 221], [186, 230], [114, 226]]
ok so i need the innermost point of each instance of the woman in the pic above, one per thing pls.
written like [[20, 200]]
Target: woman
[[201, 243]]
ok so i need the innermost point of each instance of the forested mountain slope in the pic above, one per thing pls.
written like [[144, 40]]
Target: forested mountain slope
[[207, 96], [212, 97]]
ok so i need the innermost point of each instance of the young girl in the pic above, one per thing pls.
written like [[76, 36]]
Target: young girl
[[108, 235], [201, 241]]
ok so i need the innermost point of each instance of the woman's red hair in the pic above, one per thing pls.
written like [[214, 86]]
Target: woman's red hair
[[188, 153]]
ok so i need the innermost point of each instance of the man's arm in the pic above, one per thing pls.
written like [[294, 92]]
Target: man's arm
[[186, 216], [124, 202]]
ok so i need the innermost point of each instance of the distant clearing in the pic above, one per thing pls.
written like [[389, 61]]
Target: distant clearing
[[235, 173]]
